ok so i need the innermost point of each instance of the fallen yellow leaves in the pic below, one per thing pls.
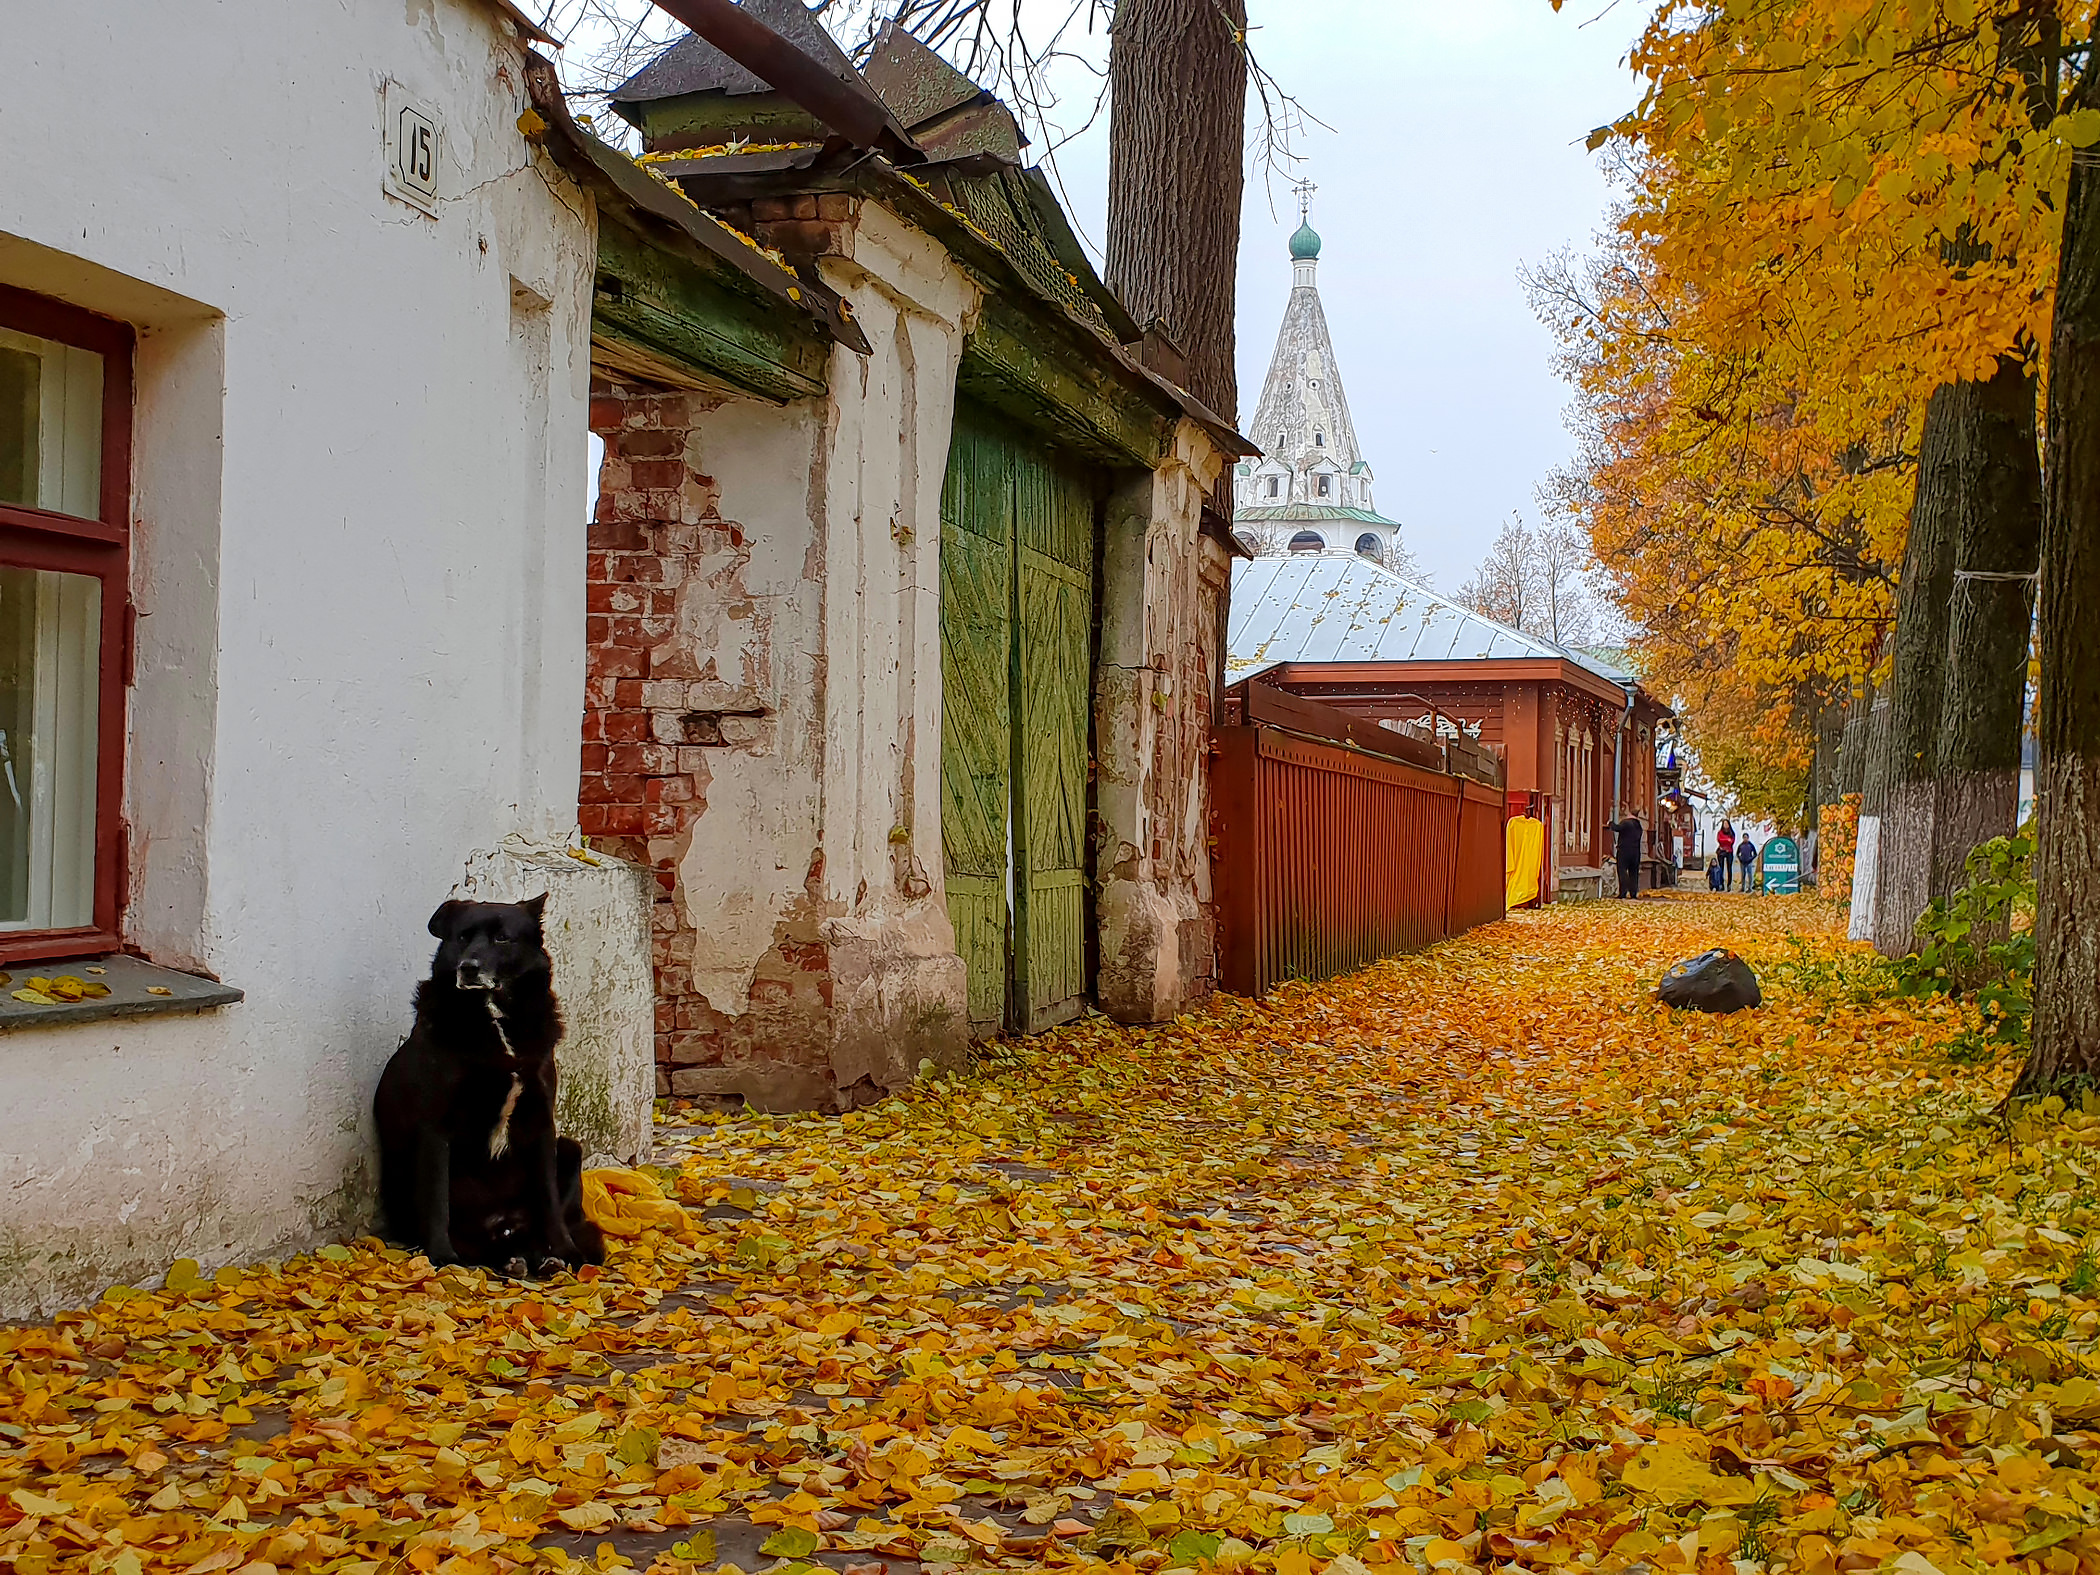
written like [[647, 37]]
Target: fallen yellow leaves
[[1478, 1259], [629, 1202], [64, 990], [1671, 1475]]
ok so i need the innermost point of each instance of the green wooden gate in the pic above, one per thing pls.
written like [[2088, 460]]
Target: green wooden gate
[[1017, 604]]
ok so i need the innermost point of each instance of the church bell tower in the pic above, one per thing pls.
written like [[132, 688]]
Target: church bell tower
[[1311, 489]]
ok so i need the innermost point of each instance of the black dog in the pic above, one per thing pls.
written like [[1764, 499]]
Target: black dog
[[470, 1167]]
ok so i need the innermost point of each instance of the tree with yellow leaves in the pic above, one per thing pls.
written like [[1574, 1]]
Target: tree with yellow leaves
[[1823, 200], [1756, 552], [1934, 151]]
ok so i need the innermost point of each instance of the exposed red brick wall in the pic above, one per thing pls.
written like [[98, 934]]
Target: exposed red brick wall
[[642, 783], [657, 716], [796, 227]]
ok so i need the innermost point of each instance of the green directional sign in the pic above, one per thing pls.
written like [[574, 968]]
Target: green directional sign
[[1782, 867]]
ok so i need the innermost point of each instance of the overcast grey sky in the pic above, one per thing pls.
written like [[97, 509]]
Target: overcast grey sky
[[1456, 154]]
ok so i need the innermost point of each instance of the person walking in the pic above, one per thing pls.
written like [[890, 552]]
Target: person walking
[[1630, 830], [1746, 855], [1724, 844]]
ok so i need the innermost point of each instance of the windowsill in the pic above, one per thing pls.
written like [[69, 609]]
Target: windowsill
[[131, 982]]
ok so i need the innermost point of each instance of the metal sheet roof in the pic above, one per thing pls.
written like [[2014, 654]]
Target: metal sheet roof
[[1608, 660], [1339, 607]]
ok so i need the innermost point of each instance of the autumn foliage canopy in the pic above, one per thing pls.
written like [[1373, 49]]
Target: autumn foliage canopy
[[1831, 208]]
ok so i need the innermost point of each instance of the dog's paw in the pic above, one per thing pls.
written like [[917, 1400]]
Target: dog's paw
[[551, 1266], [514, 1269]]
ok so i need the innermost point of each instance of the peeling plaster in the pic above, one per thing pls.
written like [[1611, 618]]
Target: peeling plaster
[[806, 954], [739, 878], [1152, 732]]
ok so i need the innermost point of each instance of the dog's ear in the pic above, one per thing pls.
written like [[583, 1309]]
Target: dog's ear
[[535, 906], [441, 921]]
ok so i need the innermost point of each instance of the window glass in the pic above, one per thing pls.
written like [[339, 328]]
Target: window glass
[[50, 639], [1325, 483], [50, 425]]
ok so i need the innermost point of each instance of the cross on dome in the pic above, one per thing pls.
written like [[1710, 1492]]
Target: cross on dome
[[1305, 243]]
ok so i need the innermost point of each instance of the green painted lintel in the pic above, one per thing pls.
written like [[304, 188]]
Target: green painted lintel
[[696, 118], [673, 307], [1023, 370]]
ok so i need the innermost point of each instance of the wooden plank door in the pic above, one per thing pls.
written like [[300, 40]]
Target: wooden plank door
[[1017, 605], [976, 714], [1054, 561]]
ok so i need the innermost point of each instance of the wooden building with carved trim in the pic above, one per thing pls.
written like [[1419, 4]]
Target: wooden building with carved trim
[[1576, 733]]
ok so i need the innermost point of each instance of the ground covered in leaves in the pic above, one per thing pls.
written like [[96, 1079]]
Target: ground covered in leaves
[[1477, 1259]]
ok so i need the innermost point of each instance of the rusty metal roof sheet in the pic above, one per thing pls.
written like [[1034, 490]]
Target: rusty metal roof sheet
[[616, 178], [527, 28], [693, 65], [917, 84], [946, 113]]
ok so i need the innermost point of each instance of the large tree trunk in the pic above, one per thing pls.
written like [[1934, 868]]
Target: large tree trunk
[[1852, 753], [1177, 86], [1998, 543], [1822, 783], [2066, 1053], [1919, 670]]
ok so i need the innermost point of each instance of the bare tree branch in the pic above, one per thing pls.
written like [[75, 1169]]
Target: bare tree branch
[[1021, 50]]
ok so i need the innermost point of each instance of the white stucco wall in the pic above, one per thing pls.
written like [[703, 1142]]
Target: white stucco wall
[[824, 827], [359, 543], [899, 989]]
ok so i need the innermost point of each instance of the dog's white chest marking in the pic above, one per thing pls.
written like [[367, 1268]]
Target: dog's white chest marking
[[499, 1136]]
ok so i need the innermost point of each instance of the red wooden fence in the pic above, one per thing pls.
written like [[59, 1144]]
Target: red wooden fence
[[1328, 857], [1480, 877]]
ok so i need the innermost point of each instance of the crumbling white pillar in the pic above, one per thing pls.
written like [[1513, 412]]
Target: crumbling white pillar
[[1160, 583], [597, 929]]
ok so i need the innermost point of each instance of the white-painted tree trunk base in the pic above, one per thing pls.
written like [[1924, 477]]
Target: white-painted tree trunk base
[[1866, 867]]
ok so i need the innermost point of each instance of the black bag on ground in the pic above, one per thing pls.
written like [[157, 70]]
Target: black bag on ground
[[1716, 981]]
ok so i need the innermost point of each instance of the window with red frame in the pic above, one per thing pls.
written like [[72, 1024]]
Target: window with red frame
[[65, 539]]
